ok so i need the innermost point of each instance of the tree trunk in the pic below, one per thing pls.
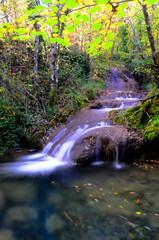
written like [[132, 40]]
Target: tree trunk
[[155, 55], [53, 66], [54, 56], [134, 35], [112, 51], [37, 27]]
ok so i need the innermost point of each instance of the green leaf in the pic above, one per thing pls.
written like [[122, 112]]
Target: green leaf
[[123, 5], [65, 43], [47, 1], [101, 1], [20, 31], [120, 14], [55, 30], [54, 9], [53, 40], [40, 8], [70, 28], [110, 35], [51, 22], [71, 4], [96, 26], [62, 18], [86, 18], [95, 9], [23, 17], [97, 40], [120, 24], [151, 1], [108, 45]]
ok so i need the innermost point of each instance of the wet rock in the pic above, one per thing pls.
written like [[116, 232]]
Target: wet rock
[[96, 105], [2, 200], [6, 234], [19, 193], [86, 149], [20, 215], [55, 199], [54, 223]]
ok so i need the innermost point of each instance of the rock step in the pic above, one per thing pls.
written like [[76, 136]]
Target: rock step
[[113, 103]]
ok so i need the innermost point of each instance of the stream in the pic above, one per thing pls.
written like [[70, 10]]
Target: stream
[[48, 196]]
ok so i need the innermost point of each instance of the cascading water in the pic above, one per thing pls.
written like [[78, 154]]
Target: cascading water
[[115, 79], [56, 153]]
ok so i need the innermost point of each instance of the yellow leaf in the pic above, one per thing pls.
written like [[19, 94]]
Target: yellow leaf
[[138, 213]]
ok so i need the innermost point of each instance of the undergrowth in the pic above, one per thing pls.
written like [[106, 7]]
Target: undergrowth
[[28, 111]]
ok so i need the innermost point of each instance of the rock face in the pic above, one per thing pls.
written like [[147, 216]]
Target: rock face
[[101, 145], [120, 79]]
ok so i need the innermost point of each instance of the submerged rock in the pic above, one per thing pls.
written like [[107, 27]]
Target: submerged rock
[[6, 234], [2, 200], [18, 193], [54, 223], [20, 215]]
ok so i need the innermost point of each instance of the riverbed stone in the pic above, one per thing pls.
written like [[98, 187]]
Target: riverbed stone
[[2, 200], [55, 199], [6, 234], [20, 215], [55, 223], [19, 192]]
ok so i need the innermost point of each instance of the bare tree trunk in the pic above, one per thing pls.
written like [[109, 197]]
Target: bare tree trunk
[[134, 35], [37, 27], [54, 56], [53, 66], [112, 51], [155, 55]]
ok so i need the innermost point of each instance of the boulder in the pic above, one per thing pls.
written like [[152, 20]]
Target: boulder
[[101, 144]]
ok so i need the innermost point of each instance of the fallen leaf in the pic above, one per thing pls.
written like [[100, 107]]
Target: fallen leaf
[[138, 213]]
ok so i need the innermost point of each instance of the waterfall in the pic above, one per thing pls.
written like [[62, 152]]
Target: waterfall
[[115, 79], [117, 164]]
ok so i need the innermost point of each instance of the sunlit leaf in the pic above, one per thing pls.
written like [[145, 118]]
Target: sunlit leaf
[[53, 40], [110, 35], [70, 28], [96, 26], [86, 18], [151, 1], [108, 44], [47, 1], [120, 14], [98, 40], [95, 9], [101, 1]]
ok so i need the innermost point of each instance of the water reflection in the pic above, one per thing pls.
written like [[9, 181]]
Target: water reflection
[[75, 203]]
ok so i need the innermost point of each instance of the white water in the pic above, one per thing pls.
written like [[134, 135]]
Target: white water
[[42, 163], [128, 98]]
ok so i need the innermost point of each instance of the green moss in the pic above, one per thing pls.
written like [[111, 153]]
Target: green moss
[[144, 116]]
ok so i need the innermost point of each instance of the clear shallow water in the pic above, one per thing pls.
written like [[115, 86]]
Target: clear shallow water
[[74, 203]]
